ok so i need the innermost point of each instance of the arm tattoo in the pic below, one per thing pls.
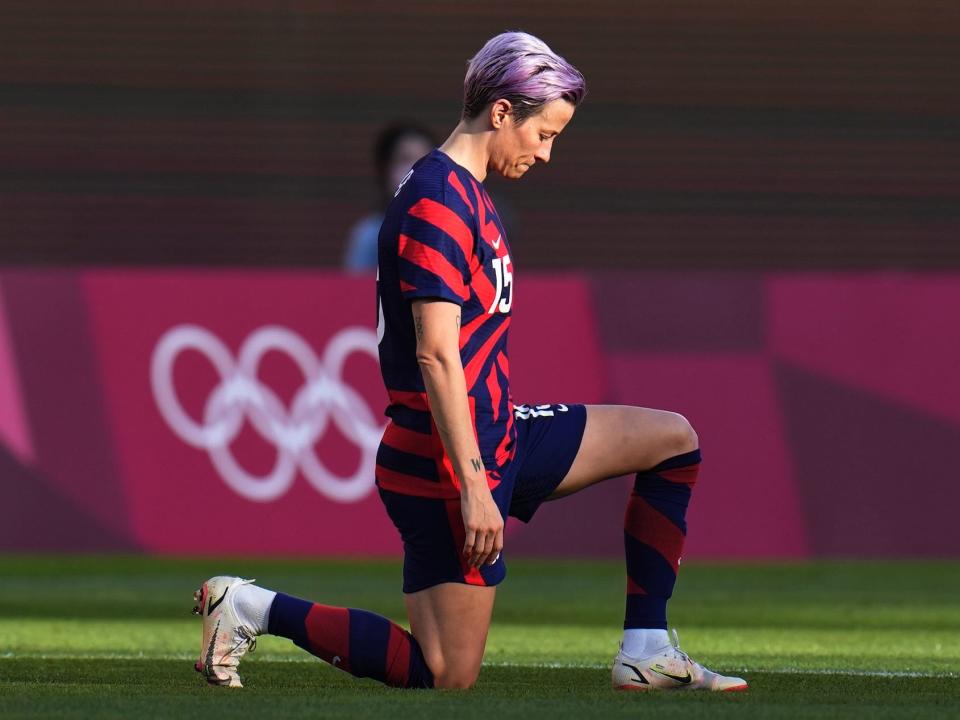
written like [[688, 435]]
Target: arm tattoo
[[418, 320], [477, 465], [458, 322]]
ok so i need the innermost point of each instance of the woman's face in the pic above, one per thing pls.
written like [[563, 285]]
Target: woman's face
[[516, 148]]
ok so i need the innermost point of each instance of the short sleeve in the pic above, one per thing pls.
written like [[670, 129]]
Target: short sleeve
[[435, 248]]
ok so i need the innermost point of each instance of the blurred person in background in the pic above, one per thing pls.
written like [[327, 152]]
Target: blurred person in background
[[458, 456], [397, 148]]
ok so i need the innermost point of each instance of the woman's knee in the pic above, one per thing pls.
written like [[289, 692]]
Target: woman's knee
[[455, 673], [456, 678], [686, 436], [678, 437]]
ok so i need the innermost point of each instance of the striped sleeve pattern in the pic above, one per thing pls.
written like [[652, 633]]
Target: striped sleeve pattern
[[436, 247]]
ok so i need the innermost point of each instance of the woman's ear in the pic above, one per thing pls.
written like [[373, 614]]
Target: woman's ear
[[499, 112]]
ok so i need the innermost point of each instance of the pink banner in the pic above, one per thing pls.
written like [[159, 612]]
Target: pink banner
[[247, 408], [240, 411]]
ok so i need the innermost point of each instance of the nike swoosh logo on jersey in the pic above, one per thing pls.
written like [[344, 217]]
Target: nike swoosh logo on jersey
[[684, 679], [496, 243], [211, 605]]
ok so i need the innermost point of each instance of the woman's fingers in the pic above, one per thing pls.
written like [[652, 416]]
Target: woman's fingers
[[497, 547], [485, 550]]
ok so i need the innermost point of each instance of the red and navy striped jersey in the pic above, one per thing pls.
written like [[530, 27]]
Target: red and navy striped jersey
[[441, 238]]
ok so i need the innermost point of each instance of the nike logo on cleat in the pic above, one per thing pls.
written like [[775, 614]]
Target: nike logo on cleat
[[208, 664], [640, 679], [685, 679], [211, 606]]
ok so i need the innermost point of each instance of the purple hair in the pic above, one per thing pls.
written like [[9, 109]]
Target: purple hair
[[519, 67]]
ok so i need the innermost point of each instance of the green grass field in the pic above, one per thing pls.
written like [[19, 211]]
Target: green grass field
[[113, 637]]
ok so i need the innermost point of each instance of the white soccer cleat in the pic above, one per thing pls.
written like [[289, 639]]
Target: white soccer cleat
[[225, 640], [669, 669]]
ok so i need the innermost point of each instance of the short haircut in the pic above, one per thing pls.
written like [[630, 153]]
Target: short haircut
[[521, 68]]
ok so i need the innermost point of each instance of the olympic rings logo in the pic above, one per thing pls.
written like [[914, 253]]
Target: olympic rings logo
[[240, 395]]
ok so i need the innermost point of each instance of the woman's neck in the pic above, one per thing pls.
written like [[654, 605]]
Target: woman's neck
[[467, 146]]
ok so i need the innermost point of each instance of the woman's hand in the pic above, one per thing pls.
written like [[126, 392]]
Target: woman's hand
[[482, 524]]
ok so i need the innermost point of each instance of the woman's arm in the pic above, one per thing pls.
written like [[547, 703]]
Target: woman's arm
[[437, 325]]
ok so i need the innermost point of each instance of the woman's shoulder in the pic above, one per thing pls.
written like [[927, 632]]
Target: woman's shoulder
[[434, 178], [427, 177]]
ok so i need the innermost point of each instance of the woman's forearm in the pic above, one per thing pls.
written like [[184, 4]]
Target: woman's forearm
[[437, 326], [447, 392]]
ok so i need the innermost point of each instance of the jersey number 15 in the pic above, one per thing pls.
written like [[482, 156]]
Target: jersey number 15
[[501, 267]]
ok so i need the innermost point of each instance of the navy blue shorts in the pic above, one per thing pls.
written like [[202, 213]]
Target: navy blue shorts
[[548, 439]]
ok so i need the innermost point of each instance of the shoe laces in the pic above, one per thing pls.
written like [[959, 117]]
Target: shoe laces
[[247, 640], [676, 645]]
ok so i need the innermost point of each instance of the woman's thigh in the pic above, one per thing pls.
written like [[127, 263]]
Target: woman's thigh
[[619, 439], [450, 622]]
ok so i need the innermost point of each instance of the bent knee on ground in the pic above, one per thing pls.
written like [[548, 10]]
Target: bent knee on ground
[[450, 622], [452, 675], [456, 678]]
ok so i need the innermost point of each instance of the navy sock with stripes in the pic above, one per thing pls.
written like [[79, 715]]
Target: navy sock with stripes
[[654, 529], [361, 643]]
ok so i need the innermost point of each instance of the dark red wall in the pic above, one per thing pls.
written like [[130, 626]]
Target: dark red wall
[[738, 134]]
